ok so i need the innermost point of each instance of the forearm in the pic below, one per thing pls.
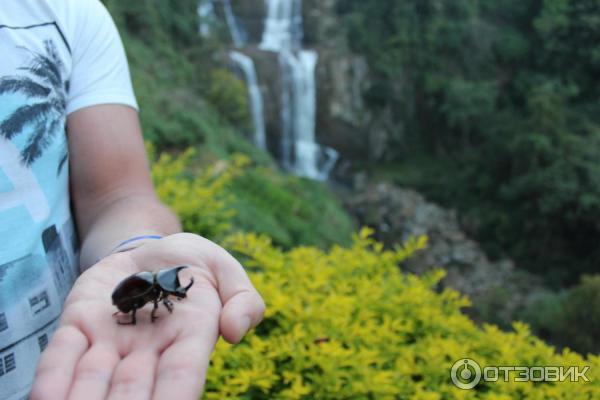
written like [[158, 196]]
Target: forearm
[[111, 187], [120, 219]]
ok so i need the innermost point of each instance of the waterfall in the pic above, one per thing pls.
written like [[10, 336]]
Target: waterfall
[[206, 12], [283, 34], [237, 34], [283, 25], [246, 65], [299, 96]]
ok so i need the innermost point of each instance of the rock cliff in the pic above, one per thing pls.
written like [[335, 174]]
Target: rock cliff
[[497, 290]]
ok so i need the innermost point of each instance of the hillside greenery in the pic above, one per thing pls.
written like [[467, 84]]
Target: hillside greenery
[[189, 99], [496, 104]]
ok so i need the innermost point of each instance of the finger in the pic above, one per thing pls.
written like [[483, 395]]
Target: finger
[[182, 368], [243, 308], [93, 373], [240, 313], [134, 377], [55, 370]]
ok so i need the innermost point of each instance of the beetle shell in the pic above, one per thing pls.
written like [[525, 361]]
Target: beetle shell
[[134, 291]]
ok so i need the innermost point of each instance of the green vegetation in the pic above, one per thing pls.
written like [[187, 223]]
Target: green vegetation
[[188, 99], [185, 96], [347, 323], [569, 316], [239, 195], [228, 94], [498, 115], [503, 97], [288, 209]]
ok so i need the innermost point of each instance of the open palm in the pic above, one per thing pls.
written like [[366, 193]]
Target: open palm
[[92, 357]]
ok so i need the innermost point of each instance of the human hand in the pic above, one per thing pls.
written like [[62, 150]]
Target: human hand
[[92, 357]]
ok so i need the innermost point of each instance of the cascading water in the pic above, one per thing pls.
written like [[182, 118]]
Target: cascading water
[[246, 65], [283, 25], [206, 12], [238, 36], [283, 34]]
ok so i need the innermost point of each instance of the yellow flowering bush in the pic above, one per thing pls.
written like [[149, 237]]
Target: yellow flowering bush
[[197, 196], [348, 324]]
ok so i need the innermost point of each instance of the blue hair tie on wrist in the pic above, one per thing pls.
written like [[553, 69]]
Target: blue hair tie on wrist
[[136, 238], [133, 239]]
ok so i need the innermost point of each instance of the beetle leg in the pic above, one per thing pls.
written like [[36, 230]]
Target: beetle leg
[[132, 322], [169, 304], [153, 316]]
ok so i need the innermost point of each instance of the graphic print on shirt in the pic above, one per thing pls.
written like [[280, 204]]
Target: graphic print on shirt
[[25, 189], [43, 82], [38, 249]]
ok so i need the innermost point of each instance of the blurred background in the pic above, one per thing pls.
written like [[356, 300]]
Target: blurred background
[[475, 123]]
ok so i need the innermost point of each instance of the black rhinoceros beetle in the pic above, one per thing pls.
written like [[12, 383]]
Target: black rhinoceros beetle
[[133, 292]]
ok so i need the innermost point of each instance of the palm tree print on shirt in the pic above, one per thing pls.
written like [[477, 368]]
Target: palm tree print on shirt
[[44, 85]]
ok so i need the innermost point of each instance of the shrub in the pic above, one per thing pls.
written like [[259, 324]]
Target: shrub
[[570, 317], [581, 315], [544, 314], [198, 197], [229, 95], [347, 324]]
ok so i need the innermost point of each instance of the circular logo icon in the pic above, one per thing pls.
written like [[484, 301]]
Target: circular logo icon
[[465, 374]]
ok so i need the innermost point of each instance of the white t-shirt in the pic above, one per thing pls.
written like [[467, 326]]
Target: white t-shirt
[[56, 57]]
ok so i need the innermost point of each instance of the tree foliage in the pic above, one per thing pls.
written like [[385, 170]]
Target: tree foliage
[[569, 316], [506, 92]]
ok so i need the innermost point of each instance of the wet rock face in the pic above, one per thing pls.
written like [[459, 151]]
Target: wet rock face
[[269, 79], [342, 118], [321, 24], [496, 289], [252, 14]]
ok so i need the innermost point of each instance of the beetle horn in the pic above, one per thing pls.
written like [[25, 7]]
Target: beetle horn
[[190, 285], [177, 269]]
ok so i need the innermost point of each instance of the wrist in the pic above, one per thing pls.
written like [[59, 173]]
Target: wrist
[[134, 242], [127, 245]]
